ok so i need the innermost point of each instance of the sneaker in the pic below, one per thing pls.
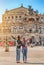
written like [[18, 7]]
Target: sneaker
[[25, 62], [17, 62]]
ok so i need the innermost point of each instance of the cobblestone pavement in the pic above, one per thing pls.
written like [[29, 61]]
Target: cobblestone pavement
[[35, 56]]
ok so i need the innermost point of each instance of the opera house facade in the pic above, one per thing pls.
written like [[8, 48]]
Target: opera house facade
[[22, 21]]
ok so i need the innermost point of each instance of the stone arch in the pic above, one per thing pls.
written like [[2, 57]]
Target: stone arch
[[31, 19]]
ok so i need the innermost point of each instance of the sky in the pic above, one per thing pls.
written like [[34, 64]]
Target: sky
[[11, 4]]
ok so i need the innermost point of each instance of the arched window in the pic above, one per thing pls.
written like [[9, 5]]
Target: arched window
[[30, 30], [25, 14], [15, 16], [41, 17], [37, 19], [19, 16], [5, 17], [12, 17], [9, 17]]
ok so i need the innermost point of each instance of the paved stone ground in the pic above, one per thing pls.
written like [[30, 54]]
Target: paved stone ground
[[35, 56]]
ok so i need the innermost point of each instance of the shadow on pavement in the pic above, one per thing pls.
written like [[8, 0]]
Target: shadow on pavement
[[33, 63]]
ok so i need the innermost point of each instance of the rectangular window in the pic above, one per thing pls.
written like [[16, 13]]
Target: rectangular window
[[20, 27]]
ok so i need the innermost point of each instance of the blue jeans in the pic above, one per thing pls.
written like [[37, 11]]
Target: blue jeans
[[17, 54], [24, 51]]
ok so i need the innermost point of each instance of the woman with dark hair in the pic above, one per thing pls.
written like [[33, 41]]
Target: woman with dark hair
[[18, 48]]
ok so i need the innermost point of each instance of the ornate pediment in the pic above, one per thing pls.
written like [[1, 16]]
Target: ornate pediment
[[17, 10]]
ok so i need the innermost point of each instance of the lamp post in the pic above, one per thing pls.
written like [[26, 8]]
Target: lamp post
[[6, 41], [6, 45]]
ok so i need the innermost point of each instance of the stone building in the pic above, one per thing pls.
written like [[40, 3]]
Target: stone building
[[22, 21]]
